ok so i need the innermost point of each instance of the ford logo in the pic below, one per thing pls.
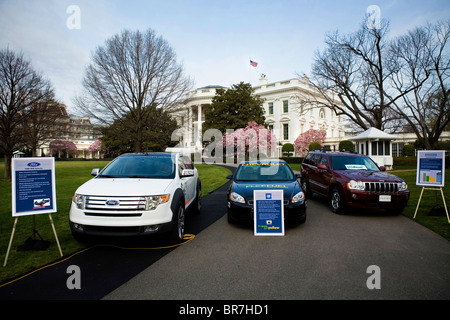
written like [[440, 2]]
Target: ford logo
[[112, 202], [34, 164]]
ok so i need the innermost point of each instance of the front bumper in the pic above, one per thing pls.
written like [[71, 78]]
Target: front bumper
[[244, 212], [375, 201], [89, 230], [110, 223]]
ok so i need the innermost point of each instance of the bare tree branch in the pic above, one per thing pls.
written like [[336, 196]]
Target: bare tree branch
[[21, 88], [133, 70], [423, 64]]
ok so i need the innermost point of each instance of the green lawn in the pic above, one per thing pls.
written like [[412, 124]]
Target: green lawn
[[69, 176], [438, 224]]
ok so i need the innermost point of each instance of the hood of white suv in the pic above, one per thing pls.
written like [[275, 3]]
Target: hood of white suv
[[124, 187]]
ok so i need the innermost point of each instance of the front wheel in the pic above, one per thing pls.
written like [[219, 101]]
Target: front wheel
[[178, 223], [337, 201]]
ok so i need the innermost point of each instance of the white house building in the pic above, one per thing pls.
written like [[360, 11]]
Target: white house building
[[287, 116], [79, 130]]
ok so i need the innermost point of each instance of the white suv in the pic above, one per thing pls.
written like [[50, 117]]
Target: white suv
[[137, 194]]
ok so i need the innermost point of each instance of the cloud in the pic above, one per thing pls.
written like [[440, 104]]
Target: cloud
[[39, 30]]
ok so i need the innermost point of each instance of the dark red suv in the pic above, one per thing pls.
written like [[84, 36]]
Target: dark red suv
[[352, 180]]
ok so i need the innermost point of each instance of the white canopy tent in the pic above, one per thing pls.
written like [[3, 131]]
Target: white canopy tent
[[376, 144]]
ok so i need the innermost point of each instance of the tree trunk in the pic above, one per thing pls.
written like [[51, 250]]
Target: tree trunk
[[7, 175]]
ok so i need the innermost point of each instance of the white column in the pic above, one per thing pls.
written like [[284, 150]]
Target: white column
[[190, 127], [199, 127]]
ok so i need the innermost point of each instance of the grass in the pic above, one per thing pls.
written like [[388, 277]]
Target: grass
[[438, 224], [69, 176]]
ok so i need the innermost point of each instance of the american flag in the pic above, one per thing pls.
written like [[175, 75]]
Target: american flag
[[253, 63]]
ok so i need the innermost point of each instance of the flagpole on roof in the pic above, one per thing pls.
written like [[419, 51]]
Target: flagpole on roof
[[249, 71]]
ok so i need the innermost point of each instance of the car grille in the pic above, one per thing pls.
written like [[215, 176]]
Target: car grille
[[122, 203], [381, 187]]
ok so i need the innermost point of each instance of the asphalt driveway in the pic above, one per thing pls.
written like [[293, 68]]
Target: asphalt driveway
[[326, 258]]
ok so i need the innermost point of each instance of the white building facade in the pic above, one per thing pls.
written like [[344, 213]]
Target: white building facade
[[78, 130], [287, 116]]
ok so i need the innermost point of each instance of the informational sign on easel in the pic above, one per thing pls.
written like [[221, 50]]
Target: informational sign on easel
[[33, 191], [430, 168], [33, 186], [431, 174], [268, 213]]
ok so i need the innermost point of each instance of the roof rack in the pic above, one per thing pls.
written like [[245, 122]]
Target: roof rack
[[330, 151], [348, 151]]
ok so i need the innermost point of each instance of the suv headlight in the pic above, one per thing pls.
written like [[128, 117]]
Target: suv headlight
[[79, 200], [235, 197], [356, 185], [299, 197], [402, 186], [152, 202]]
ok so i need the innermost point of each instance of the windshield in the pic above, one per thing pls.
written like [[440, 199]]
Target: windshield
[[271, 171], [152, 167], [353, 163]]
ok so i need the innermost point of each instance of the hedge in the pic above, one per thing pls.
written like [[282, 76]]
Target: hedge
[[412, 161]]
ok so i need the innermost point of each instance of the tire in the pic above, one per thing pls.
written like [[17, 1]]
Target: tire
[[337, 201], [230, 218], [299, 220], [178, 221], [306, 188]]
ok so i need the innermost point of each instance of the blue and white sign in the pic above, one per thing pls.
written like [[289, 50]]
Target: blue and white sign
[[33, 186], [268, 213], [430, 168]]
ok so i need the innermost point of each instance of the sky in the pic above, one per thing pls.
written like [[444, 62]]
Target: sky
[[214, 40]]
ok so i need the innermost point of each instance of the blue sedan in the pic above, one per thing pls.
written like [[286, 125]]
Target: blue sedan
[[265, 175]]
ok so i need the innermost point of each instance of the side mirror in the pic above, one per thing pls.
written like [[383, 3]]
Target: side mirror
[[382, 168], [298, 175], [230, 176], [95, 172], [187, 173]]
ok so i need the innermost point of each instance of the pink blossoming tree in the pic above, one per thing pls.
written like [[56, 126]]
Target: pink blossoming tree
[[303, 141], [58, 146], [95, 147], [249, 141]]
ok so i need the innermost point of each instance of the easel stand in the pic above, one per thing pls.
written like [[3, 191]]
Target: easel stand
[[14, 230], [443, 199]]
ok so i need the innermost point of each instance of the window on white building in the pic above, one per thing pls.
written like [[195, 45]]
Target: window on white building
[[270, 107], [322, 114], [285, 131], [381, 148], [285, 106], [397, 149]]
